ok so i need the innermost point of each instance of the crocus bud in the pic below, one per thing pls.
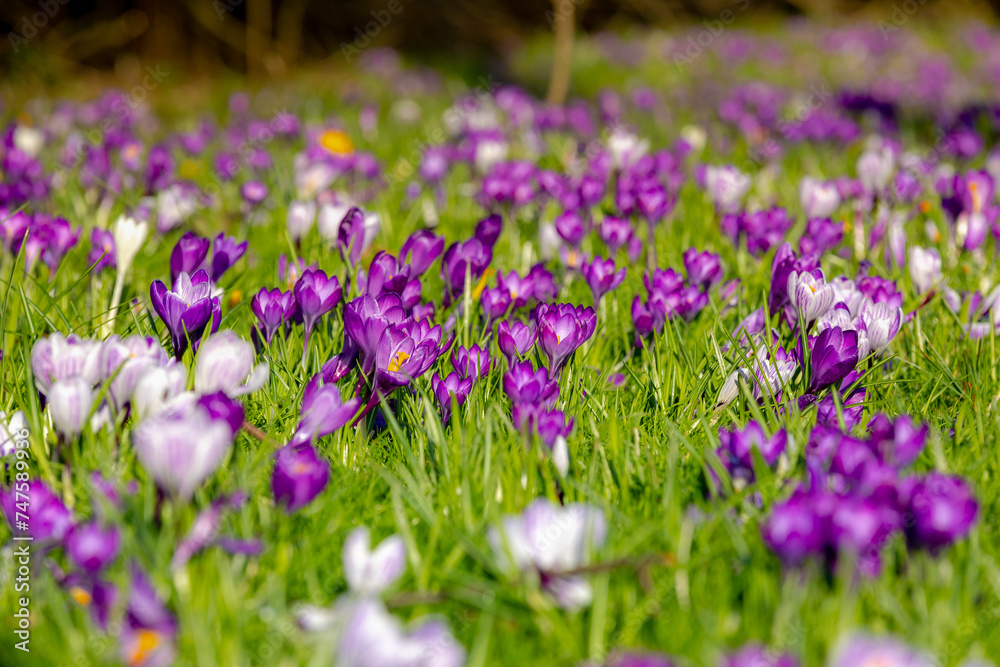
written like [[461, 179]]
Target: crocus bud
[[299, 476]]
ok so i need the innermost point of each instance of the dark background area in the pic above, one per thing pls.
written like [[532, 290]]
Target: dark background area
[[267, 37]]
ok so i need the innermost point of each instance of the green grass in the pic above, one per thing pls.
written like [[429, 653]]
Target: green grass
[[640, 452]]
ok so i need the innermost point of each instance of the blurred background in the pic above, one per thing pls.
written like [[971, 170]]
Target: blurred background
[[48, 39]]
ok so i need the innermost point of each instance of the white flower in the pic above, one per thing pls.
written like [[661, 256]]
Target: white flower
[[225, 363], [301, 215], [626, 148], [11, 430], [129, 235], [925, 268], [69, 405], [819, 199], [371, 572], [156, 386], [328, 222], [28, 140], [488, 153]]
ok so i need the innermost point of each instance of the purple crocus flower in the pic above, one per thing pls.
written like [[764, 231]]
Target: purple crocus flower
[[553, 429], [299, 476], [640, 659], [422, 247], [351, 236], [254, 192], [756, 655], [92, 547], [317, 294], [404, 352], [187, 309], [323, 411], [273, 308], [470, 257], [102, 250], [562, 328], [880, 323], [799, 527], [365, 320], [821, 234], [514, 338], [488, 230], [943, 510], [149, 636], [385, 274], [881, 651], [601, 276], [569, 226], [736, 449], [615, 232], [834, 354], [473, 362], [50, 521], [703, 268], [222, 408], [785, 263], [188, 255], [226, 251], [523, 384], [495, 303], [454, 386]]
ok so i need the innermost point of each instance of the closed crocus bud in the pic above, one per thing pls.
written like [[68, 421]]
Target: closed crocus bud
[[601, 276], [454, 386], [488, 230], [875, 167], [225, 363], [473, 362], [130, 235], [70, 401], [316, 294], [370, 572], [819, 199], [834, 355], [562, 328], [514, 338], [299, 476], [553, 429], [273, 308], [495, 303], [569, 226], [421, 249], [615, 232], [943, 511], [226, 251], [351, 235], [301, 216], [703, 268], [181, 446], [50, 520], [92, 547], [925, 268], [188, 255]]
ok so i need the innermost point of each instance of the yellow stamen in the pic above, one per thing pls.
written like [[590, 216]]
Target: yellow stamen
[[481, 285], [235, 297], [925, 206], [149, 640], [82, 597], [398, 361], [300, 468], [336, 142], [189, 169]]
